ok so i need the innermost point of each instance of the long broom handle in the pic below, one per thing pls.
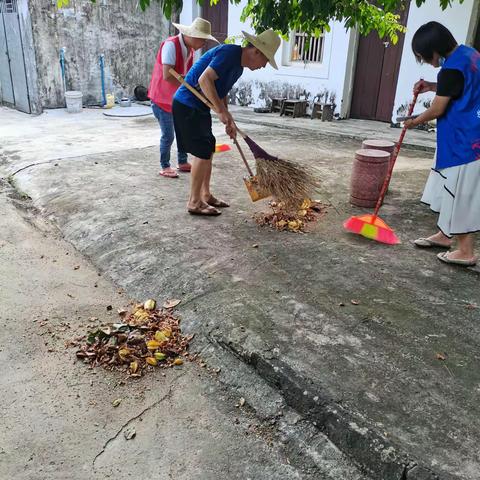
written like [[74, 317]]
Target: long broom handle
[[386, 183], [210, 105]]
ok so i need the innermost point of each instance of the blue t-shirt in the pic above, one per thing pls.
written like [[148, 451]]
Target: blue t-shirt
[[226, 61]]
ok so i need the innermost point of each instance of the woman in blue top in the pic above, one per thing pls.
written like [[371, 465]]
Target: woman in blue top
[[453, 187]]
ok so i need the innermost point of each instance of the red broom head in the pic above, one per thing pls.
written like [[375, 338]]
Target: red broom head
[[373, 228]]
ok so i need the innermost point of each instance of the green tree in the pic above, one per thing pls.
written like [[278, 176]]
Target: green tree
[[312, 16]]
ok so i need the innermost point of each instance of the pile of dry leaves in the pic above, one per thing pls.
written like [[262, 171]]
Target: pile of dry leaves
[[285, 219], [147, 337]]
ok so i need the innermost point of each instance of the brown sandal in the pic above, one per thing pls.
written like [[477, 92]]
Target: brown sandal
[[215, 202], [205, 211]]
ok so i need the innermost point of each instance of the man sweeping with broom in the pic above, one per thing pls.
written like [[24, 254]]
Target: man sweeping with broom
[[214, 74]]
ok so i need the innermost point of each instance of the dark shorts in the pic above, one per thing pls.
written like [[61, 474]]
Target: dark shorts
[[193, 130]]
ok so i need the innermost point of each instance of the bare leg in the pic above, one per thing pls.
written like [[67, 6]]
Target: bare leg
[[465, 250], [205, 191], [199, 181]]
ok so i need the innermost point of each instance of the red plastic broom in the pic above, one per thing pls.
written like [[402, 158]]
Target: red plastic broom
[[371, 226]]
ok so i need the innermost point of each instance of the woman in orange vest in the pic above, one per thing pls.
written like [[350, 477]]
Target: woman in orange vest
[[177, 53]]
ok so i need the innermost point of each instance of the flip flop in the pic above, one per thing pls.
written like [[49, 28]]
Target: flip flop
[[172, 174], [205, 211], [427, 243], [443, 256], [184, 167], [215, 202]]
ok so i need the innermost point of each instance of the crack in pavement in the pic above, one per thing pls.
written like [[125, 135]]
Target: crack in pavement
[[153, 405]]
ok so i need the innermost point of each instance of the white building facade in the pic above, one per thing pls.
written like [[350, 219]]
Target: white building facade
[[365, 77]]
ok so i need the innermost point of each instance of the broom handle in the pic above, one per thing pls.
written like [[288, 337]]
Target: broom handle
[[204, 99], [199, 95], [386, 183], [235, 141]]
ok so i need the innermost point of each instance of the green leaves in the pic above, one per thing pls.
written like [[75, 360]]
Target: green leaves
[[311, 16]]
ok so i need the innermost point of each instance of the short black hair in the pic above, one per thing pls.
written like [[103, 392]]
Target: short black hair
[[141, 93], [430, 38]]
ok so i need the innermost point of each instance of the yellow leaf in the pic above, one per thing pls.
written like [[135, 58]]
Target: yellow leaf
[[307, 203], [134, 367], [281, 223], [153, 345], [167, 332], [150, 304], [123, 353], [152, 361], [302, 213], [160, 336], [178, 361]]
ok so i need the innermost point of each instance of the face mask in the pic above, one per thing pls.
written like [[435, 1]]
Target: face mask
[[441, 61]]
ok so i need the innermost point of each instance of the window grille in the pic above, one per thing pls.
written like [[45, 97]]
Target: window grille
[[8, 6], [307, 48]]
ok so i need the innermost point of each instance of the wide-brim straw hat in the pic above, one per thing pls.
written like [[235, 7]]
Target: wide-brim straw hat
[[267, 42], [200, 28]]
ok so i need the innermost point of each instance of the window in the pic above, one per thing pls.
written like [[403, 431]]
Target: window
[[306, 48], [8, 6]]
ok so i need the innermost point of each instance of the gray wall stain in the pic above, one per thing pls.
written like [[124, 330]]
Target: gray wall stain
[[128, 37]]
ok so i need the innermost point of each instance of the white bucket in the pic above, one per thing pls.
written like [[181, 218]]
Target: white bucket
[[74, 101]]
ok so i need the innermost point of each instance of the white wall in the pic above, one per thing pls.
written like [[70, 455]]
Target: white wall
[[313, 78], [456, 19]]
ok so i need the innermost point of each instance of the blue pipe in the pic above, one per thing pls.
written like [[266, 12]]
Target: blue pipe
[[102, 75], [62, 66]]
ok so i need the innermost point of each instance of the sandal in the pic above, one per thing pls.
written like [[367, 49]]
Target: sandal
[[215, 202], [184, 167], [208, 211], [427, 243], [456, 261], [169, 173]]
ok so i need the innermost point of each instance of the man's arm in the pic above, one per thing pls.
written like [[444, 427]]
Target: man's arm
[[207, 84], [168, 76]]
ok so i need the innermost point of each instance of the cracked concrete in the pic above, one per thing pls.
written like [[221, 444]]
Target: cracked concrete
[[364, 373]]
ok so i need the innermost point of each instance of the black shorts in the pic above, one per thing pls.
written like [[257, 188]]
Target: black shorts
[[193, 130]]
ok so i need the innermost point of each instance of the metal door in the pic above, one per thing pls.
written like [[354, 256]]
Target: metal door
[[217, 15], [13, 75]]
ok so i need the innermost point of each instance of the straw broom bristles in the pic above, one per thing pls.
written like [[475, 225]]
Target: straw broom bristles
[[288, 182]]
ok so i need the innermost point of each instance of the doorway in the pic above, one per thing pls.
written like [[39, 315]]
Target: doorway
[[217, 15], [13, 77], [376, 75]]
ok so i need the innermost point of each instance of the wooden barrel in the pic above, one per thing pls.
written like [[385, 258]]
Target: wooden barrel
[[369, 170], [384, 145]]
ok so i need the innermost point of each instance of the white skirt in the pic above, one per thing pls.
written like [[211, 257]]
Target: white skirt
[[454, 193]]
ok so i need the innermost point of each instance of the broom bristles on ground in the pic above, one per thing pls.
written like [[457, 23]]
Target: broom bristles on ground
[[287, 182]]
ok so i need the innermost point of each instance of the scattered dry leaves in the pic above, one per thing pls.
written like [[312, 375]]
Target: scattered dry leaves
[[285, 219], [144, 339]]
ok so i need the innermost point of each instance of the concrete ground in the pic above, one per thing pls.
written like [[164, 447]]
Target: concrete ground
[[376, 346]]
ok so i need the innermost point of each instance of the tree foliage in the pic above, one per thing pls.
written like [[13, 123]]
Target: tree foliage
[[312, 16]]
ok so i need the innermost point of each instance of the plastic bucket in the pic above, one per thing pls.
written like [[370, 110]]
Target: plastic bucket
[[74, 101]]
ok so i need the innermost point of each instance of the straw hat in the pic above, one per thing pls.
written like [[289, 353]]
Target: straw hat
[[267, 42], [200, 28]]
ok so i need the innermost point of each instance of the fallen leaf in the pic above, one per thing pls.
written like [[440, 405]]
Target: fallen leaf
[[150, 304], [160, 356], [134, 366], [117, 402], [355, 302], [129, 433], [76, 267], [255, 245], [242, 402], [171, 303], [152, 361], [178, 361], [441, 356], [109, 307]]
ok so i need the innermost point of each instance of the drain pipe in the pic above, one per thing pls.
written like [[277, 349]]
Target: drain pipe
[[101, 62], [62, 67]]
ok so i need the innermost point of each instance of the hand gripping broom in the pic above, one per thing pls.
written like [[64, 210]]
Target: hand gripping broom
[[371, 226]]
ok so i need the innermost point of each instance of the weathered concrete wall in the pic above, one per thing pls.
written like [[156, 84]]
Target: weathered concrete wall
[[128, 37]]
